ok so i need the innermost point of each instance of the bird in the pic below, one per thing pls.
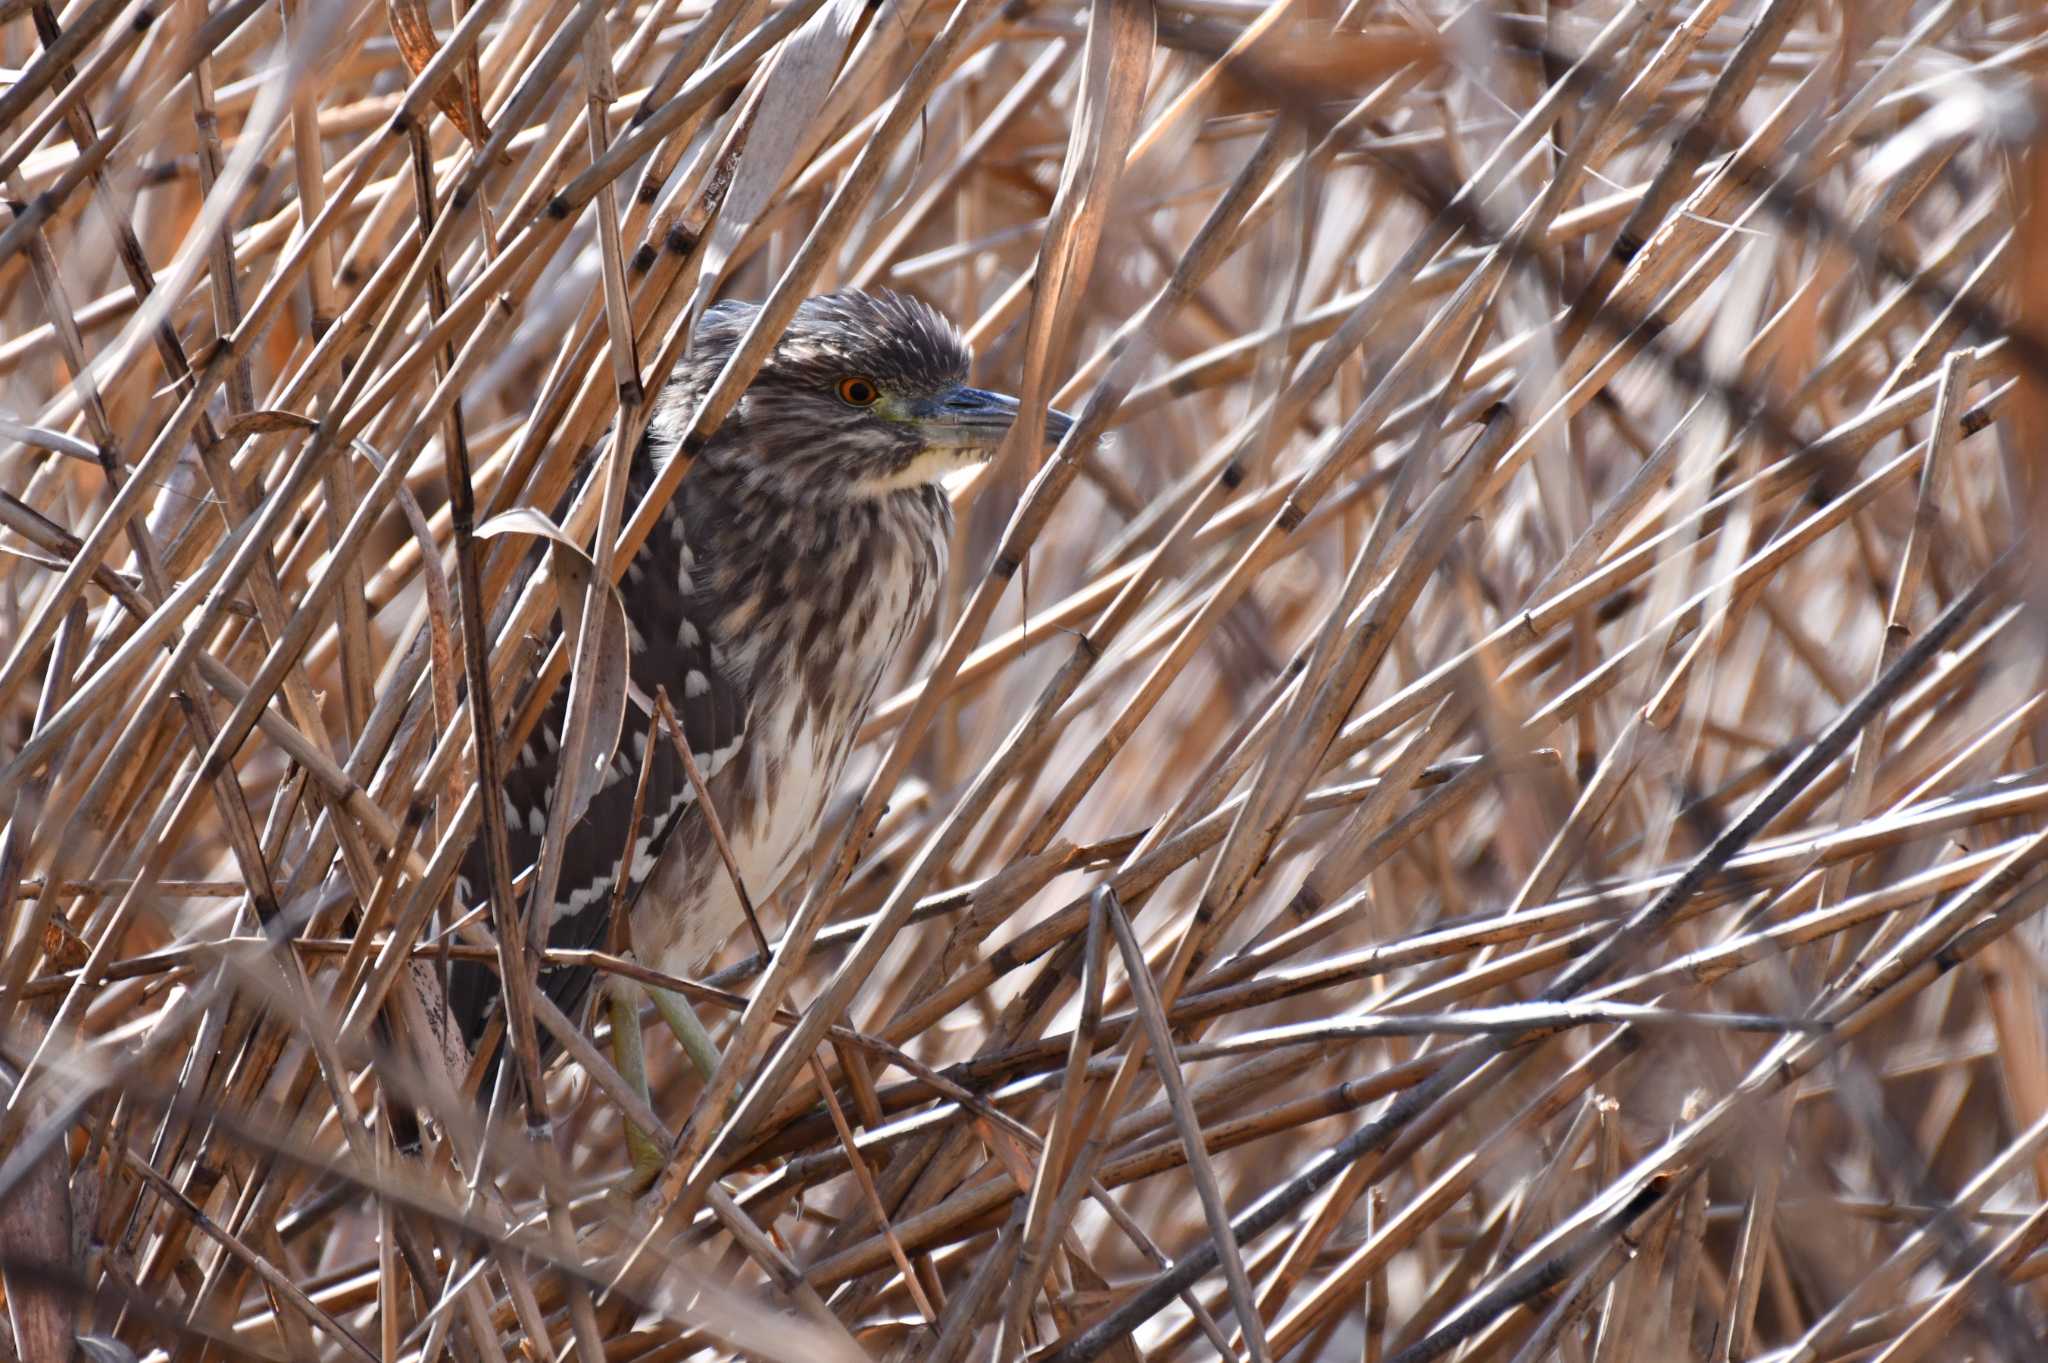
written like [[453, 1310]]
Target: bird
[[802, 547]]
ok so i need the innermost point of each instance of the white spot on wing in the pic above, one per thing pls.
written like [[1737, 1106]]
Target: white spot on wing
[[585, 897], [643, 858]]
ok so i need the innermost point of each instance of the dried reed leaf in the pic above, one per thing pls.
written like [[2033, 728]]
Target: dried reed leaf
[[579, 585], [246, 424], [1309, 61], [785, 102], [417, 43]]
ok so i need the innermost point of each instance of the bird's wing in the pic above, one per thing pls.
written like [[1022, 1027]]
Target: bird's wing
[[673, 648]]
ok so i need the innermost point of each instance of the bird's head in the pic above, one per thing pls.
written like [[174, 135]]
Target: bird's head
[[865, 396]]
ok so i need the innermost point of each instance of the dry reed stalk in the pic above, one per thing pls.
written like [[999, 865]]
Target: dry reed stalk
[[1485, 802]]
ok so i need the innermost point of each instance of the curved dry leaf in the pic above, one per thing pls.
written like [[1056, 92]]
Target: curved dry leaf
[[785, 109], [266, 421], [575, 574], [524, 520], [1310, 62], [441, 617], [417, 44]]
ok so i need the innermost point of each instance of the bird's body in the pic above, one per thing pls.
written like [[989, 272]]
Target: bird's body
[[816, 607], [805, 543]]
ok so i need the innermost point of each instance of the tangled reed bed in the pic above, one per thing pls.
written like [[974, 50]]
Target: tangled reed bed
[[1487, 804]]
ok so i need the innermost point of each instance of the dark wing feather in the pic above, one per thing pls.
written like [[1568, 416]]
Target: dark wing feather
[[672, 648]]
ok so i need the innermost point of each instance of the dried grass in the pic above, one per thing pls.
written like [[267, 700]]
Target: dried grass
[[1487, 803]]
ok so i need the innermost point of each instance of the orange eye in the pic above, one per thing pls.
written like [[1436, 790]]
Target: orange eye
[[858, 392]]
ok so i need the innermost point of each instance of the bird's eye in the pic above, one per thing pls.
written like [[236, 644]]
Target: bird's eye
[[858, 392]]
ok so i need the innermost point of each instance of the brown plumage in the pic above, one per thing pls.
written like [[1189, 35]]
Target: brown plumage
[[807, 540]]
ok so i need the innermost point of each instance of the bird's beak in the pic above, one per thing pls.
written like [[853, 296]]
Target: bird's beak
[[973, 419]]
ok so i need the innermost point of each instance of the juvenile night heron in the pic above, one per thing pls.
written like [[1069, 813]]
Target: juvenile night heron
[[804, 544]]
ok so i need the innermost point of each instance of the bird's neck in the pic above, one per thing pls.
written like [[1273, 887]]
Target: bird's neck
[[763, 515], [792, 579]]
